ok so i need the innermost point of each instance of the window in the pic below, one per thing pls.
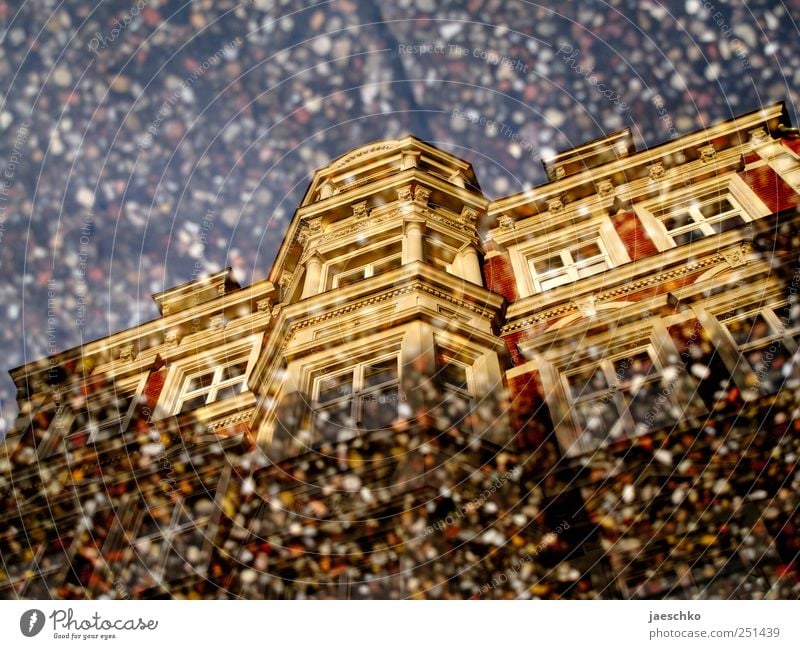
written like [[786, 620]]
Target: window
[[364, 396], [349, 267], [765, 338], [710, 213], [452, 379], [351, 276], [701, 211], [103, 413], [208, 385], [625, 395], [557, 267]]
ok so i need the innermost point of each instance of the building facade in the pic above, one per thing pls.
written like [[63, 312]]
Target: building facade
[[587, 389]]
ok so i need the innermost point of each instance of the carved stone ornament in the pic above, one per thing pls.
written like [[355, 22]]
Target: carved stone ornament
[[468, 215], [314, 225], [327, 190], [218, 322], [736, 257], [264, 305], [506, 222], [172, 337], [657, 171], [560, 173], [286, 279], [707, 153], [405, 193], [360, 210], [605, 188], [758, 135], [303, 236], [421, 195], [555, 206], [586, 306], [127, 353]]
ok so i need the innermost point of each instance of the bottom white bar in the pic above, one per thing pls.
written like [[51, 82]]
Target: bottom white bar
[[356, 625]]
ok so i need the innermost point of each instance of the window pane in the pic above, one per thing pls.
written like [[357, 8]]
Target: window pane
[[772, 365], [651, 408], [688, 237], [379, 408], [733, 221], [335, 387], [548, 264], [749, 329], [199, 382], [335, 422], [381, 372], [347, 279], [677, 219], [386, 265], [229, 391], [597, 418], [553, 282], [453, 410], [593, 269], [587, 382], [232, 371], [193, 402], [715, 207], [587, 251], [451, 374], [635, 366]]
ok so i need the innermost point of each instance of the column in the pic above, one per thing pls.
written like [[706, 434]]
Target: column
[[414, 241], [471, 266], [313, 273]]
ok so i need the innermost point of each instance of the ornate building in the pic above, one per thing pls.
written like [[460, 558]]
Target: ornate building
[[587, 389]]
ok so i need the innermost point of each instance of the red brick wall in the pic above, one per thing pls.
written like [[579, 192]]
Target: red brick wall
[[633, 235], [499, 276], [771, 188], [152, 389]]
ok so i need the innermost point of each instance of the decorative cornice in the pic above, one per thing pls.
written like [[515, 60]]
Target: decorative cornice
[[383, 297], [237, 418], [614, 294], [365, 151]]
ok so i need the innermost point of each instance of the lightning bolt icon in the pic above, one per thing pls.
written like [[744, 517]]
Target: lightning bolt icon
[[32, 621]]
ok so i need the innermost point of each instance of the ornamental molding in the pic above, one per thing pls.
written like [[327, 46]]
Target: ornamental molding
[[383, 297], [614, 294], [237, 418], [368, 150]]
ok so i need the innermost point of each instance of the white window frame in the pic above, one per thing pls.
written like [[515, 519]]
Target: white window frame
[[599, 229], [731, 187], [132, 387], [468, 392], [359, 391], [571, 269], [203, 361], [786, 336], [556, 370], [333, 259], [218, 383], [367, 270]]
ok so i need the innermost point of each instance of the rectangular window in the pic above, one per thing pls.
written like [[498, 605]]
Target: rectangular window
[[362, 397], [692, 218], [556, 267], [766, 339], [455, 396], [208, 385], [625, 395], [102, 414], [353, 275]]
